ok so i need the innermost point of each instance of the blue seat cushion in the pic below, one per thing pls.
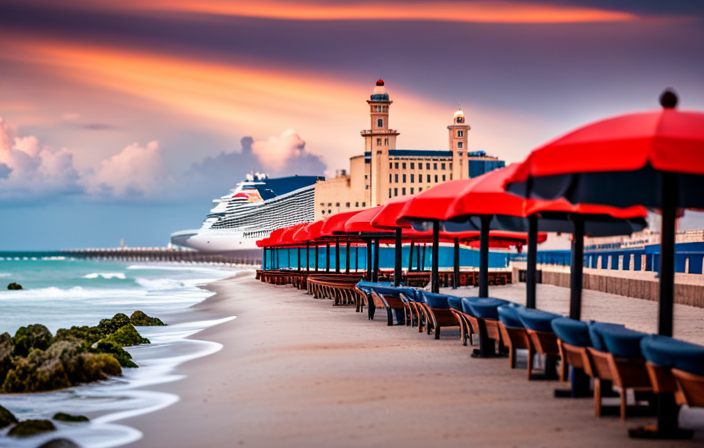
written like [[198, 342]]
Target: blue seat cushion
[[367, 286], [455, 302], [486, 307], [622, 342], [668, 352], [595, 336], [411, 294], [436, 300], [536, 320], [509, 316], [465, 305], [571, 331]]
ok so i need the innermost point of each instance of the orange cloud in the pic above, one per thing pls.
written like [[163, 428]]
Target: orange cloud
[[445, 11]]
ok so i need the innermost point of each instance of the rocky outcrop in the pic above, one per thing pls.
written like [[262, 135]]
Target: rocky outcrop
[[7, 418], [59, 443], [63, 417], [140, 319], [14, 286], [31, 427]]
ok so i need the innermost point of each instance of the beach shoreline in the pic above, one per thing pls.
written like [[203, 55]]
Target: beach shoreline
[[295, 371]]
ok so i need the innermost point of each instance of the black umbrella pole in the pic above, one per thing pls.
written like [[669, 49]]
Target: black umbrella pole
[[316, 258], [435, 274], [375, 269], [410, 258], [327, 257], [264, 259], [484, 257], [398, 247], [532, 261], [347, 257], [670, 199], [299, 259], [369, 259], [456, 274], [576, 269], [337, 254], [307, 257]]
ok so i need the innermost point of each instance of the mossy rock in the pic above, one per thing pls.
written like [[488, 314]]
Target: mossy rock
[[122, 355], [31, 427], [63, 417], [6, 418], [14, 286], [64, 364], [140, 319], [29, 337], [59, 443], [110, 326], [126, 336]]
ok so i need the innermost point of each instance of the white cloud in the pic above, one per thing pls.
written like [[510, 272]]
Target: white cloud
[[29, 170], [275, 152], [135, 171]]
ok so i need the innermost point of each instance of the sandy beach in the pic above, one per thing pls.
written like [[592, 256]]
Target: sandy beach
[[298, 372]]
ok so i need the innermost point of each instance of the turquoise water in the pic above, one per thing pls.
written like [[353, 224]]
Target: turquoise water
[[61, 292]]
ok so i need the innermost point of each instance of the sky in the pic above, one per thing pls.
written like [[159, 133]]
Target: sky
[[123, 119]]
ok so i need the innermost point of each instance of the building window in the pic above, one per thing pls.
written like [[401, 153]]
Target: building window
[[380, 123], [404, 178], [403, 165], [443, 178], [395, 191], [413, 166], [329, 212], [436, 178], [323, 212], [442, 166], [411, 190], [428, 178], [460, 133], [386, 142], [337, 204], [364, 204], [348, 205], [435, 166], [420, 189], [391, 165], [396, 165], [413, 178], [459, 145], [356, 204], [427, 166], [450, 165], [378, 142], [390, 178], [403, 192], [450, 176], [389, 192], [396, 178], [366, 187], [329, 204], [322, 204]]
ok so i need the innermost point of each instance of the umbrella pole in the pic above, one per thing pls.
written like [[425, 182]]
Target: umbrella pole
[[532, 261], [576, 269], [456, 274], [369, 259], [299, 259], [316, 257], [307, 257], [375, 269], [670, 199], [337, 254], [421, 262], [434, 275], [347, 257], [327, 256], [399, 257], [264, 260], [484, 256], [356, 258], [410, 258]]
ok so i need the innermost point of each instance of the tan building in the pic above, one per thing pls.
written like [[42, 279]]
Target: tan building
[[384, 172]]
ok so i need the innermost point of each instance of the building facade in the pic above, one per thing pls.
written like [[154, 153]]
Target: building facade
[[384, 171]]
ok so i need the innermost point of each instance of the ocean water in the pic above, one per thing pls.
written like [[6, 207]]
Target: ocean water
[[61, 292]]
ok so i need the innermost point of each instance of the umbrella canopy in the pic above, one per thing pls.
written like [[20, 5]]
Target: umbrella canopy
[[620, 161], [335, 225], [362, 222], [388, 215]]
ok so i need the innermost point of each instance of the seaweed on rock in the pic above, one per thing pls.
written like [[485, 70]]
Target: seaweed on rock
[[126, 336], [14, 286], [31, 427], [6, 418], [122, 355], [69, 418], [29, 337], [140, 319]]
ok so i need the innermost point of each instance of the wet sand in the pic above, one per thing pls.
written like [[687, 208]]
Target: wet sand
[[298, 372]]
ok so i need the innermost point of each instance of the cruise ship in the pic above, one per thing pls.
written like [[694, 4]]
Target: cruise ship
[[250, 212]]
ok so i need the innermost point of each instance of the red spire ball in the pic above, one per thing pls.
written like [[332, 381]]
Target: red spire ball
[[380, 82]]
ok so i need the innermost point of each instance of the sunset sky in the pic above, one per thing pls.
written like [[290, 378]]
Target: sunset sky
[[123, 119]]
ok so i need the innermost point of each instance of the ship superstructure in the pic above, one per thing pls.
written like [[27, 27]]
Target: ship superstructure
[[251, 211]]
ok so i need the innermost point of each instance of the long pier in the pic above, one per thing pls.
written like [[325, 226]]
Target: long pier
[[159, 254]]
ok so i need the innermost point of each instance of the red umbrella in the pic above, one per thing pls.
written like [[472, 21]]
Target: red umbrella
[[334, 226]]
